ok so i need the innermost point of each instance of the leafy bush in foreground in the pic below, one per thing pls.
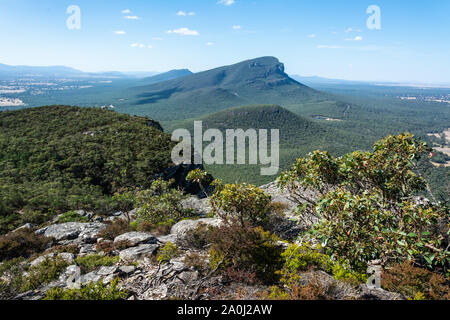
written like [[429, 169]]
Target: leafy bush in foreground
[[362, 208], [244, 250], [241, 203], [92, 291], [302, 258], [168, 252], [161, 203]]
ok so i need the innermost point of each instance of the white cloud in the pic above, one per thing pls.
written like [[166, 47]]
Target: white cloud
[[237, 27], [209, 44], [126, 11], [352, 30], [312, 36], [120, 32], [184, 14], [226, 2], [140, 45], [132, 17], [357, 38], [184, 32]]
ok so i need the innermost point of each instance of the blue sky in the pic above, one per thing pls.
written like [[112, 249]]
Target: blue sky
[[323, 37]]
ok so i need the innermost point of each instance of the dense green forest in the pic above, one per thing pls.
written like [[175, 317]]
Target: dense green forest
[[59, 158], [298, 137]]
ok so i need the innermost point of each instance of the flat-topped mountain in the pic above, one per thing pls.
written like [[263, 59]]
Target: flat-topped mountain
[[257, 81]]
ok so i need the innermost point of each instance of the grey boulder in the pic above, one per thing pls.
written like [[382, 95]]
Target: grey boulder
[[72, 231], [138, 253], [136, 238], [181, 228]]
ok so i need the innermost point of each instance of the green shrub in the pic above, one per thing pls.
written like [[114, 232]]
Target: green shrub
[[94, 261], [44, 273], [303, 258], [201, 177], [124, 201], [92, 291], [363, 204], [168, 252], [72, 216], [241, 203], [160, 203], [243, 249], [22, 243]]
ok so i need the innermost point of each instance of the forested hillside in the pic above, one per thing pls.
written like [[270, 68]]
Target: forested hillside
[[59, 158]]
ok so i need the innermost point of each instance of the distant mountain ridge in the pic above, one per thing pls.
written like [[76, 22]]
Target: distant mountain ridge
[[257, 81], [8, 72]]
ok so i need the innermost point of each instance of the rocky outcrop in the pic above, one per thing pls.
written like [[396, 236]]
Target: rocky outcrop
[[171, 280], [138, 253], [136, 238], [86, 232], [368, 293], [181, 228], [187, 275]]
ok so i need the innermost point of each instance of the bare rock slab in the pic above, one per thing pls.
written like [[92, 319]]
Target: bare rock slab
[[138, 253], [136, 238]]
